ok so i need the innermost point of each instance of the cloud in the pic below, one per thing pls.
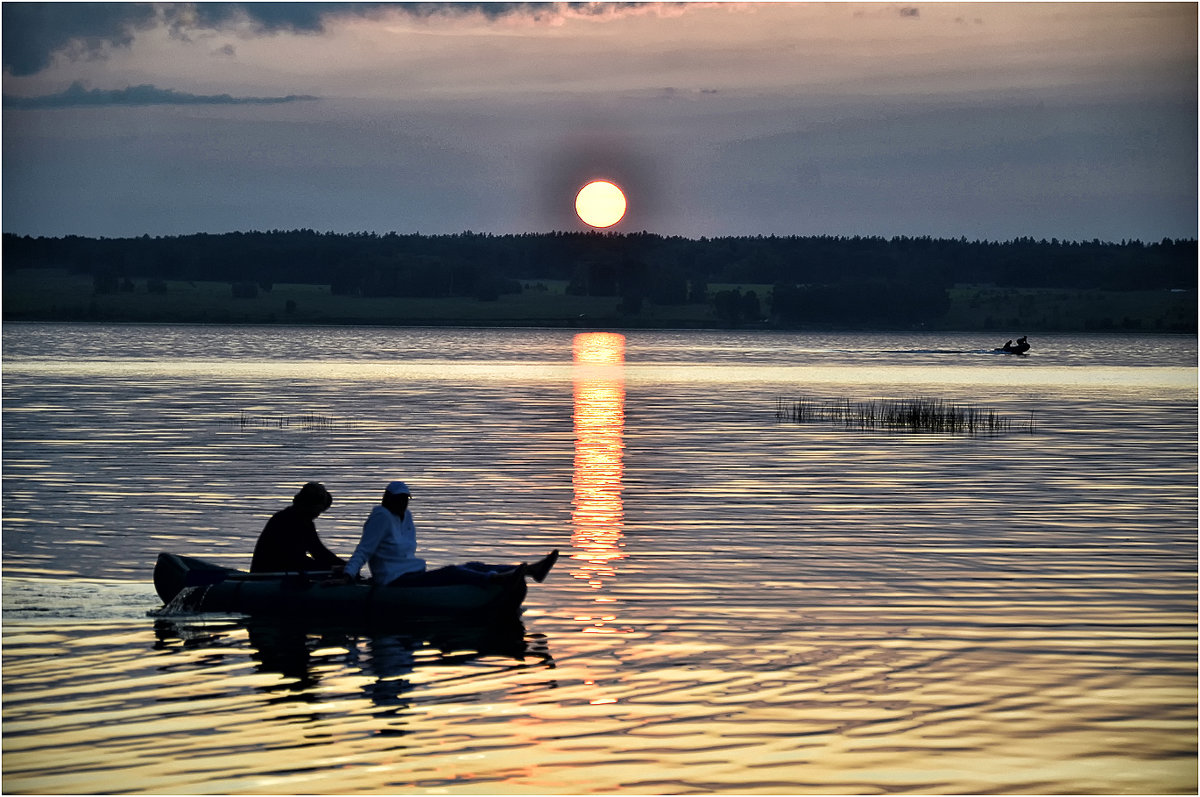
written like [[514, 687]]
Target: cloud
[[33, 33], [77, 95], [259, 18]]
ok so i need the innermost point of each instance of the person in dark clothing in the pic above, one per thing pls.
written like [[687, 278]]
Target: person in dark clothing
[[289, 541]]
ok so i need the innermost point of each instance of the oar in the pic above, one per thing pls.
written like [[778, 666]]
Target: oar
[[206, 577]]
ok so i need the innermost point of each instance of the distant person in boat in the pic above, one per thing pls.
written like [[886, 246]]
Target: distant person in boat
[[1021, 346], [289, 541], [389, 547]]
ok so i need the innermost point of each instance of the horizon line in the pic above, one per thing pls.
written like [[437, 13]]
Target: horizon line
[[617, 234]]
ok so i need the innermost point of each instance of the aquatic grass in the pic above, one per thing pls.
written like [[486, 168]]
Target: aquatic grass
[[308, 422], [913, 414]]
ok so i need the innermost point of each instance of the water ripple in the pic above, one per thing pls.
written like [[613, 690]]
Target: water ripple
[[742, 605]]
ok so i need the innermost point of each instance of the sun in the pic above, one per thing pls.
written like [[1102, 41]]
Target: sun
[[600, 204]]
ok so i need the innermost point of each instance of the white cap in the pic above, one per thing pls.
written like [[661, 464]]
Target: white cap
[[399, 488]]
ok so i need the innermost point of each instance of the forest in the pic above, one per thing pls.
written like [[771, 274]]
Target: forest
[[814, 280]]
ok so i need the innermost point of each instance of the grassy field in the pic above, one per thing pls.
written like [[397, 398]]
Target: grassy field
[[1048, 310], [53, 294]]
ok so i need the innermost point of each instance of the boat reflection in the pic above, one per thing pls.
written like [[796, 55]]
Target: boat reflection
[[301, 652], [598, 514]]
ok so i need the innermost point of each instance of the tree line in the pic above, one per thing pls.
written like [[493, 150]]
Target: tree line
[[897, 281]]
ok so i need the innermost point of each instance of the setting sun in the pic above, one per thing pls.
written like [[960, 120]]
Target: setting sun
[[600, 204]]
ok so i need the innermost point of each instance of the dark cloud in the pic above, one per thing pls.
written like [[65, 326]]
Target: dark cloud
[[34, 32], [77, 95], [264, 18]]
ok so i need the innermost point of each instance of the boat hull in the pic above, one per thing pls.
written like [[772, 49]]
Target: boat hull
[[220, 589]]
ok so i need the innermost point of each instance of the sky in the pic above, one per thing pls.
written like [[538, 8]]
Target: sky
[[1074, 121]]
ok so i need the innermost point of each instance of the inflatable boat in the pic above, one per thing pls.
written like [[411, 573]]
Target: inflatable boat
[[186, 584], [1020, 347]]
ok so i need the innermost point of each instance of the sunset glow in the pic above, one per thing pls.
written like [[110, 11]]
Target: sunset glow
[[713, 119], [871, 548]]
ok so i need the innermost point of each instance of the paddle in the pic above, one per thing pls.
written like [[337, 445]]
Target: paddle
[[206, 577]]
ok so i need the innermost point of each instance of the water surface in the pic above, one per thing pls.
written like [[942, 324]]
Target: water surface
[[743, 605]]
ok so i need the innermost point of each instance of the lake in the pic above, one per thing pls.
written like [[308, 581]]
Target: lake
[[744, 604]]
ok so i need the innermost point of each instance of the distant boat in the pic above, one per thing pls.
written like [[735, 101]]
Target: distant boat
[[1020, 347]]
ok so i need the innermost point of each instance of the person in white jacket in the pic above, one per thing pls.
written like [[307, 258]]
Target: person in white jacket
[[389, 547]]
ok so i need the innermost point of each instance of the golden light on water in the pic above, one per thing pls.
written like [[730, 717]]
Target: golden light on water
[[597, 514], [600, 203], [895, 620]]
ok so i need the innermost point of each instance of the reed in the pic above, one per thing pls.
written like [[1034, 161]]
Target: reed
[[306, 422], [914, 415]]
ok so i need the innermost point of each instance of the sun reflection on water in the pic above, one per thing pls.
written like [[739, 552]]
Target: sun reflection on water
[[597, 515]]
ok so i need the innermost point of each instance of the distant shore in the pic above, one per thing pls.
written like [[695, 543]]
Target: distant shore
[[58, 295]]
